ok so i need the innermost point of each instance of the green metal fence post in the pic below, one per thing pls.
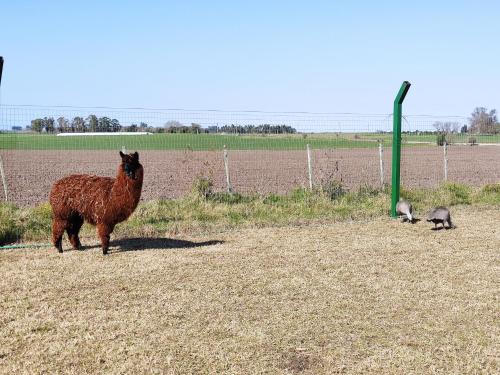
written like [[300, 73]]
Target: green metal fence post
[[1, 69], [396, 145]]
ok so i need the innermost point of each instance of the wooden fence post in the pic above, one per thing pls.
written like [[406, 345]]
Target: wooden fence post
[[309, 166], [381, 156], [226, 168], [4, 180], [445, 156]]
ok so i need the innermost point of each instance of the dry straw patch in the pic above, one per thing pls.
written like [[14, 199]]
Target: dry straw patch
[[372, 296]]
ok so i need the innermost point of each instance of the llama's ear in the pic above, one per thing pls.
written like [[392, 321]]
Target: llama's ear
[[136, 156], [122, 155]]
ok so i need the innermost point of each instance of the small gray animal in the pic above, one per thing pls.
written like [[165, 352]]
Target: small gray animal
[[440, 215], [404, 209]]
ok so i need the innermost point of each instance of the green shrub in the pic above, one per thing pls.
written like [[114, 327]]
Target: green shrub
[[272, 199], [491, 189], [229, 198], [368, 191], [10, 230], [440, 139], [489, 194], [37, 222], [333, 189], [301, 195], [457, 193], [202, 187]]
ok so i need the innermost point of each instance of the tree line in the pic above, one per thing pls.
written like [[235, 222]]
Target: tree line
[[78, 124], [176, 127], [92, 123], [254, 129], [89, 124], [481, 121]]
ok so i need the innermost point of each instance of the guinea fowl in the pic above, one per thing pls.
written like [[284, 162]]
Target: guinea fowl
[[440, 215], [404, 209]]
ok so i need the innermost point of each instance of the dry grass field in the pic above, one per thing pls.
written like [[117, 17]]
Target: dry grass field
[[372, 296]]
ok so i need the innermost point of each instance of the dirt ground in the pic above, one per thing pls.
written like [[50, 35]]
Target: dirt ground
[[169, 174], [354, 297]]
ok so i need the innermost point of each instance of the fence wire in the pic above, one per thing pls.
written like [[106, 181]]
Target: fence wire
[[453, 152], [266, 151]]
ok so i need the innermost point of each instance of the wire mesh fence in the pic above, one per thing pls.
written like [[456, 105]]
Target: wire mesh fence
[[266, 152], [455, 151]]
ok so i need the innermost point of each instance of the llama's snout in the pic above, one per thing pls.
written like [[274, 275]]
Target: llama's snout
[[130, 172]]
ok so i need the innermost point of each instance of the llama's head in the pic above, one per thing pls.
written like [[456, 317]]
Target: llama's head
[[131, 166]]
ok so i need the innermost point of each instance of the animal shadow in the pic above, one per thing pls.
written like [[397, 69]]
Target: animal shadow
[[413, 220], [441, 228], [153, 243]]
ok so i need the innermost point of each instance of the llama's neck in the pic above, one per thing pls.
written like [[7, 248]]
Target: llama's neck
[[126, 190]]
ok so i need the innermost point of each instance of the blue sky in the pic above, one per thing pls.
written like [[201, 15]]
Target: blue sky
[[317, 56]]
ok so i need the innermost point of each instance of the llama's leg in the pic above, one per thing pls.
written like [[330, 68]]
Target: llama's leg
[[75, 223], [58, 227], [104, 232]]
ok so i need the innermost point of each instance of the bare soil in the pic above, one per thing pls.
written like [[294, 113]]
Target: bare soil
[[374, 297], [170, 174]]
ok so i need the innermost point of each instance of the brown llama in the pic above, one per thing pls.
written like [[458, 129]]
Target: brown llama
[[101, 201]]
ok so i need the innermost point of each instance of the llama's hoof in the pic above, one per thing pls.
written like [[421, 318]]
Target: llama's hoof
[[58, 246], [104, 251]]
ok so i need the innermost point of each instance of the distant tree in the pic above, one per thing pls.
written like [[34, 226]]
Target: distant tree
[[132, 128], [445, 131], [446, 127], [196, 128], [115, 125], [441, 139], [173, 123], [37, 125], [78, 124], [173, 126], [48, 123], [104, 124], [176, 127], [482, 121], [62, 125], [92, 123], [143, 125], [463, 129], [259, 129]]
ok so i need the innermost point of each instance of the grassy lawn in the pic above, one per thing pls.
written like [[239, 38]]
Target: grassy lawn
[[351, 297], [315, 282]]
